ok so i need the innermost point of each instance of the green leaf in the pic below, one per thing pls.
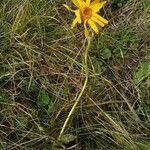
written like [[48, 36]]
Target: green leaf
[[97, 65], [142, 72], [43, 98], [67, 138], [106, 53]]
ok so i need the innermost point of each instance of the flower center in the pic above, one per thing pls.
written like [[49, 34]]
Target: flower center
[[86, 13]]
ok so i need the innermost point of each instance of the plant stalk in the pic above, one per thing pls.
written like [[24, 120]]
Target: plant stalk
[[82, 90]]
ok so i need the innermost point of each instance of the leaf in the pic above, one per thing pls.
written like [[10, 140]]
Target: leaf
[[43, 98], [97, 65], [67, 138], [106, 53], [142, 72]]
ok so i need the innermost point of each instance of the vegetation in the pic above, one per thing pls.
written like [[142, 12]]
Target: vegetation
[[41, 74]]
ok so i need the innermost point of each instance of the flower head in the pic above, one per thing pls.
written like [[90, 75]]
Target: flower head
[[87, 12]]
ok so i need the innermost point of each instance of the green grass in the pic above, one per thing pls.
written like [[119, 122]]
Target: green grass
[[41, 74]]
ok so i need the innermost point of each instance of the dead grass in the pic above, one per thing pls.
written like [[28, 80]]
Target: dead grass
[[41, 74]]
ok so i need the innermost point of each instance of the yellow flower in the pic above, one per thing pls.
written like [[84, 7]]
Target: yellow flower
[[87, 12]]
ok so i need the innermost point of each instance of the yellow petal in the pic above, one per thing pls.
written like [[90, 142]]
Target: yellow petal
[[88, 2], [100, 18], [75, 21], [86, 32], [98, 21], [93, 25], [96, 7], [67, 7], [76, 2], [78, 15], [95, 2]]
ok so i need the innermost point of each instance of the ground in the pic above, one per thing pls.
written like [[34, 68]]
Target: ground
[[41, 74]]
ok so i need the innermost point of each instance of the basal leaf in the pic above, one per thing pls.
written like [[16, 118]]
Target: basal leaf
[[142, 72], [43, 98]]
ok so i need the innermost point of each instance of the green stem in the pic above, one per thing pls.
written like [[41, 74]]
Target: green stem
[[81, 92]]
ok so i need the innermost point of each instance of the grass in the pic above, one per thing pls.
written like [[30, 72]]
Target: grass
[[41, 74]]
